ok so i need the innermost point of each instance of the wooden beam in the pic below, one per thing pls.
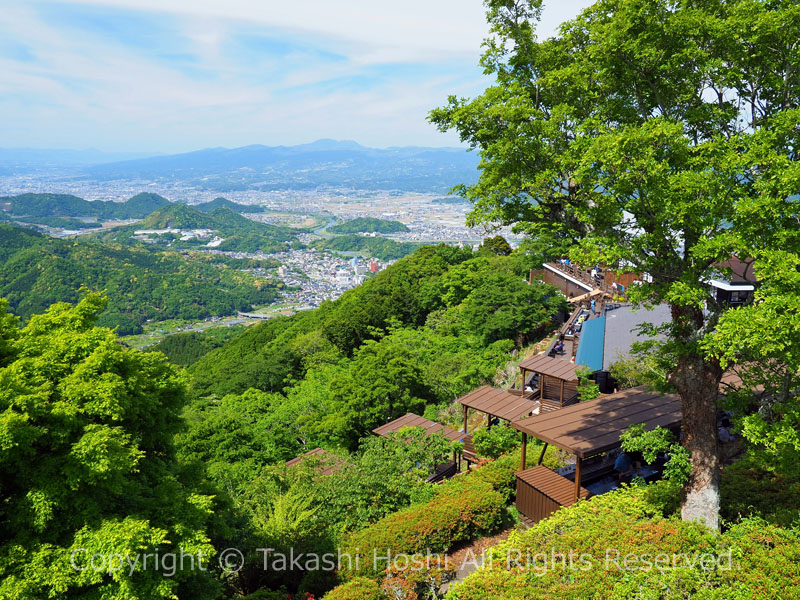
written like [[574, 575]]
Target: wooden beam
[[541, 456], [577, 478], [524, 449], [562, 392]]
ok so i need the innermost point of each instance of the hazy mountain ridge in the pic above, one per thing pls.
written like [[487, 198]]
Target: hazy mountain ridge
[[322, 164]]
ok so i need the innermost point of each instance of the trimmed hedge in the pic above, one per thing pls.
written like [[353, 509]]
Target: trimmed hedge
[[360, 588], [462, 510]]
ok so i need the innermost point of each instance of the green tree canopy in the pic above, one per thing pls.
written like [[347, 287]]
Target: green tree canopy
[[649, 135], [87, 462]]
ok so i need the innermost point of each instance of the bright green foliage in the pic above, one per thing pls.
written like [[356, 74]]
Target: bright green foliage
[[493, 442], [382, 384], [142, 284], [450, 356], [640, 369], [652, 136], [587, 388], [496, 245], [360, 588], [658, 441], [368, 225], [186, 348], [505, 307], [386, 475], [237, 436], [763, 339], [763, 557], [87, 462], [371, 247]]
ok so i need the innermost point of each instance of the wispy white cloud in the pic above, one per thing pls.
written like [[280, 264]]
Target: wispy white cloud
[[172, 75]]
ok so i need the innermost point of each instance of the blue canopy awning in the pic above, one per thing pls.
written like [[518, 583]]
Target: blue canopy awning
[[590, 346]]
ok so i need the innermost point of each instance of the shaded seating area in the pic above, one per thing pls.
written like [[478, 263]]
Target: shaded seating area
[[441, 472], [589, 431], [553, 381], [325, 462], [498, 404]]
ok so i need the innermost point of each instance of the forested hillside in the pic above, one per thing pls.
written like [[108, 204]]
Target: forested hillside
[[225, 203], [377, 247], [418, 335], [240, 233], [206, 463], [141, 283], [368, 225], [66, 205]]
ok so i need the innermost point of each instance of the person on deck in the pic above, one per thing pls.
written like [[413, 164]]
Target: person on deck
[[626, 465]]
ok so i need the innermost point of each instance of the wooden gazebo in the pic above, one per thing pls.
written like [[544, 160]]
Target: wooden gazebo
[[505, 405], [586, 430], [558, 383], [442, 471]]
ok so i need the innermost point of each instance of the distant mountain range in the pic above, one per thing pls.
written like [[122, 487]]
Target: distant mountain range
[[323, 164], [15, 161]]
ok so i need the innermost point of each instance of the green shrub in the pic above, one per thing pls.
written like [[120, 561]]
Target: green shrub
[[360, 588], [462, 510], [749, 489], [500, 474], [493, 442]]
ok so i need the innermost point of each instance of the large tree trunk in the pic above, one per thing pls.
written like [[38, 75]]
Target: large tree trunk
[[697, 382]]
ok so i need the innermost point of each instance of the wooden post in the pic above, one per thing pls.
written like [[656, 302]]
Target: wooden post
[[577, 477], [562, 392], [466, 410], [524, 449], [541, 387], [541, 456]]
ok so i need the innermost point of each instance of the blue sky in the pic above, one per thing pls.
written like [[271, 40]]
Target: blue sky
[[178, 75]]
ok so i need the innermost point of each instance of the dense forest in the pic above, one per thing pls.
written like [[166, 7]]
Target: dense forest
[[142, 283], [368, 225], [377, 247], [65, 205], [186, 348], [234, 206], [197, 459]]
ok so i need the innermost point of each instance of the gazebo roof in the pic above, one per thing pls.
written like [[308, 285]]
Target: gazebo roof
[[412, 420], [499, 403], [592, 427], [560, 368]]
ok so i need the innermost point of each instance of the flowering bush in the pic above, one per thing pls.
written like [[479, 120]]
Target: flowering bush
[[461, 510]]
